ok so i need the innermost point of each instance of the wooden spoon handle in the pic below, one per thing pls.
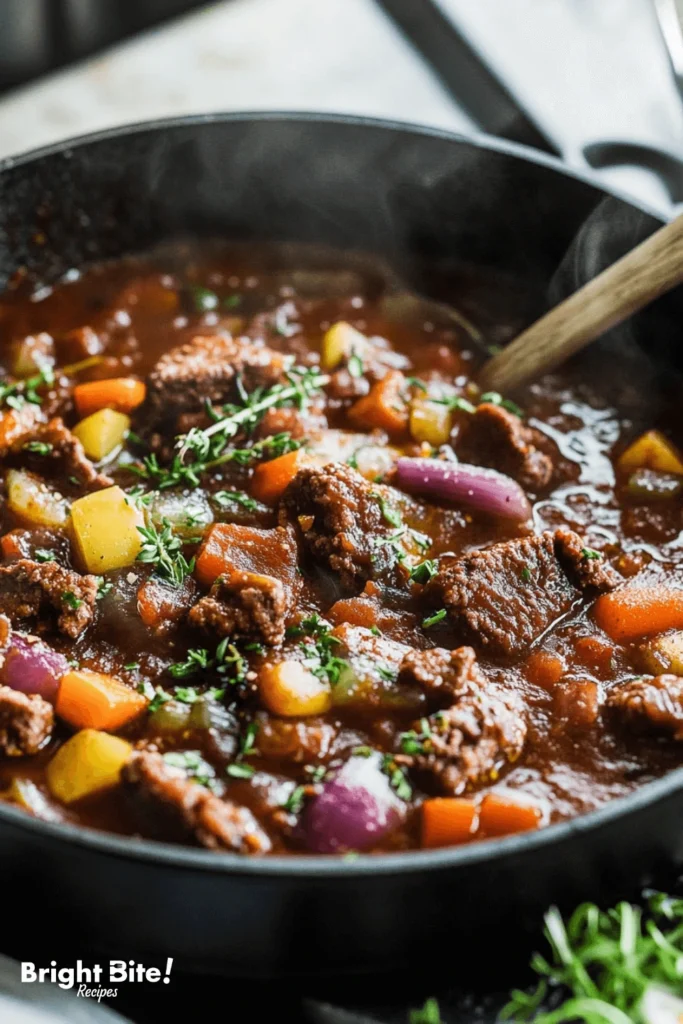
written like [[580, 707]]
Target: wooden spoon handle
[[649, 270]]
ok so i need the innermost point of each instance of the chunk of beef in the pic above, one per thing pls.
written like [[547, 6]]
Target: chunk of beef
[[586, 568], [252, 605], [25, 722], [576, 702], [471, 741], [205, 370], [63, 448], [161, 606], [504, 597], [649, 705], [300, 423], [500, 440], [340, 521], [172, 803], [442, 675], [28, 589], [16, 425]]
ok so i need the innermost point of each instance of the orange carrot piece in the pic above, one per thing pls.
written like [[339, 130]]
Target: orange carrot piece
[[121, 393], [447, 821], [384, 408], [632, 612], [230, 551], [91, 700], [271, 478], [545, 668], [10, 545], [501, 815]]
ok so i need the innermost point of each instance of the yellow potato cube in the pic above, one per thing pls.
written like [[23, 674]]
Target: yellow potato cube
[[652, 451], [289, 689], [102, 432], [664, 654], [87, 763], [105, 530], [430, 422], [339, 342], [33, 501]]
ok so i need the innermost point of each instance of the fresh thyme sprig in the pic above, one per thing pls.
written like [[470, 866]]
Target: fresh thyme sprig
[[319, 647], [227, 661], [163, 550], [16, 395]]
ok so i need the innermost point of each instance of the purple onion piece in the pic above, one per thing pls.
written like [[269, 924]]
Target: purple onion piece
[[478, 488], [354, 810], [32, 667]]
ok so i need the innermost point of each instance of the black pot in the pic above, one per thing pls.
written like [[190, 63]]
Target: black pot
[[448, 213]]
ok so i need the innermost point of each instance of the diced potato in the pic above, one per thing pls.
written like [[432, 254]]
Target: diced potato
[[339, 342], [105, 530], [102, 432], [664, 654], [33, 501], [290, 690], [373, 461], [87, 763], [652, 451], [189, 514], [430, 422], [32, 354], [649, 485]]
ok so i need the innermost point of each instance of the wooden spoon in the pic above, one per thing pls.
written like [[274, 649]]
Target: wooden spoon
[[639, 277]]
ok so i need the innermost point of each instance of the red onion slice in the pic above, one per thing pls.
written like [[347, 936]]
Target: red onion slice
[[354, 810], [478, 488], [32, 667]]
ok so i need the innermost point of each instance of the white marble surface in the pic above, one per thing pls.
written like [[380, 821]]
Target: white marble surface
[[587, 69]]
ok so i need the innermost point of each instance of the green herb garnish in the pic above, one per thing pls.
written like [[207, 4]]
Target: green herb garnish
[[71, 601], [224, 498], [590, 554], [432, 620], [295, 801], [240, 771], [423, 572], [37, 447], [494, 398], [163, 550], [44, 555], [18, 394]]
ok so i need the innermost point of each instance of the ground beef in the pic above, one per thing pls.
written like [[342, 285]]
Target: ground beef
[[169, 801], [65, 452], [299, 423], [504, 597], [28, 589], [25, 722], [650, 705], [204, 370], [340, 522], [471, 741], [252, 605], [442, 675], [500, 440]]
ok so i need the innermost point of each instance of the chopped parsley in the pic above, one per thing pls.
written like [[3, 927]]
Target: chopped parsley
[[525, 575], [37, 447], [397, 778], [247, 743], [319, 647], [194, 766], [415, 382], [132, 666], [427, 1014], [375, 630], [424, 571], [227, 661], [225, 498], [71, 601], [240, 771], [455, 403], [606, 962], [432, 620], [494, 398], [203, 299], [590, 554], [386, 672], [163, 550], [391, 515], [16, 395], [44, 555], [355, 365], [103, 587], [295, 801], [414, 742], [156, 696]]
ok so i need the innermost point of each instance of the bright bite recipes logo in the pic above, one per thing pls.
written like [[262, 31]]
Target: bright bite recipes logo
[[97, 981]]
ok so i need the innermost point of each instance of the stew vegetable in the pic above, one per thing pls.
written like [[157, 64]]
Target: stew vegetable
[[276, 577]]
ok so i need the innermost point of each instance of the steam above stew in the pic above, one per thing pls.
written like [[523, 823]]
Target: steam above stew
[[276, 577]]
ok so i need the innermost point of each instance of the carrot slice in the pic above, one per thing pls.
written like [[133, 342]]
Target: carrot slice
[[272, 478], [230, 551], [501, 815], [632, 612], [545, 668], [91, 700], [447, 821], [384, 408], [120, 393]]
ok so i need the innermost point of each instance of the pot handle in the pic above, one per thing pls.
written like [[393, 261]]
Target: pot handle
[[468, 64]]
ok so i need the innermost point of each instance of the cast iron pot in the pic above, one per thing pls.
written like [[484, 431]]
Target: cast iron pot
[[449, 214]]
